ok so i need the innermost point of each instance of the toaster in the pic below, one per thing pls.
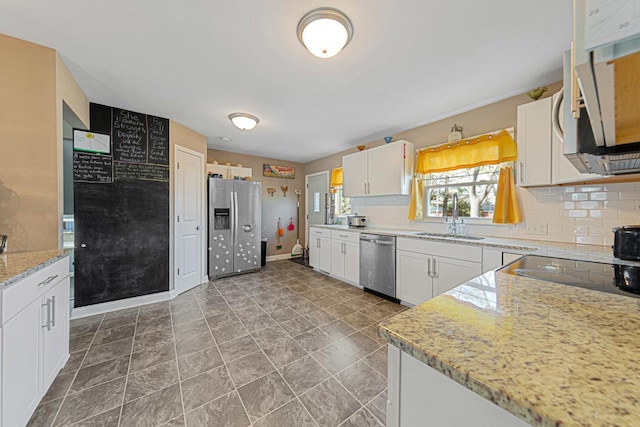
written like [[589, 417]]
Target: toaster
[[626, 242], [356, 220]]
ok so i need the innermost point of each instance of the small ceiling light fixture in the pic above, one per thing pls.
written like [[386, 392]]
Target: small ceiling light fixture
[[325, 31], [243, 121]]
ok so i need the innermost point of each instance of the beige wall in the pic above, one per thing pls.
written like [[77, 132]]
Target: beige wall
[[28, 145], [187, 138], [67, 92], [498, 115], [276, 206]]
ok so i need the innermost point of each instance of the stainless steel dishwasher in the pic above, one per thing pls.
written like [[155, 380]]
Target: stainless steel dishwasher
[[378, 263]]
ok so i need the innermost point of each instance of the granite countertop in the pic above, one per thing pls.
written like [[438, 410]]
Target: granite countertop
[[551, 249], [550, 354], [17, 265]]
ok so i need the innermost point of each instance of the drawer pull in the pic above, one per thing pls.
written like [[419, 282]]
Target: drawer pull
[[343, 235], [47, 280]]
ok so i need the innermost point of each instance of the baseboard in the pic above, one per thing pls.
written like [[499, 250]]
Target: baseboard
[[106, 307], [278, 257]]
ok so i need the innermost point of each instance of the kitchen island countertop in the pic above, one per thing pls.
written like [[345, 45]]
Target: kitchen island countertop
[[553, 355], [18, 265]]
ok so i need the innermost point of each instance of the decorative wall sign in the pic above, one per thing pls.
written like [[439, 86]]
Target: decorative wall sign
[[274, 171], [91, 142]]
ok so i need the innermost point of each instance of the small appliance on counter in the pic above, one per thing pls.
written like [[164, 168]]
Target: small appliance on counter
[[626, 242], [357, 221]]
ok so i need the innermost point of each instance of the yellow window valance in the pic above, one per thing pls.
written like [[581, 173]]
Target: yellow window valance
[[486, 149], [336, 177]]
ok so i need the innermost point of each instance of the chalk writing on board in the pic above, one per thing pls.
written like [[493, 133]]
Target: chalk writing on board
[[129, 136], [92, 168], [141, 172], [158, 140]]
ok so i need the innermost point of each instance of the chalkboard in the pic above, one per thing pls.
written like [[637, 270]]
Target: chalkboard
[[144, 172], [129, 131], [123, 222], [92, 168], [158, 140]]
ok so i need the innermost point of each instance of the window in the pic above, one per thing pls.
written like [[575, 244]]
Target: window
[[476, 189], [340, 205]]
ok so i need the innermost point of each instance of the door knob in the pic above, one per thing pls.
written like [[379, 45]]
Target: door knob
[[198, 227], [83, 245]]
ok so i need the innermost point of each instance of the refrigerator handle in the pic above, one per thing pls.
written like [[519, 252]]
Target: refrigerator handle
[[235, 218]]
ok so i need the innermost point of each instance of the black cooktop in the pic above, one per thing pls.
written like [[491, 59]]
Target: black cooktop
[[611, 278]]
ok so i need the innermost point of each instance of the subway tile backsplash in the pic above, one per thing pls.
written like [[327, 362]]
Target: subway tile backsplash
[[573, 214]]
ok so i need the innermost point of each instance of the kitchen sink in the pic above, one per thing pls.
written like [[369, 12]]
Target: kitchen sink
[[451, 235]]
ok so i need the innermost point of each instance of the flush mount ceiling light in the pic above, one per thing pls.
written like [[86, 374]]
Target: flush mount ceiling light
[[325, 31], [243, 121]]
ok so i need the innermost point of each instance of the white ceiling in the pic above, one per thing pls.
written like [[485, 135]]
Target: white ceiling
[[410, 62]]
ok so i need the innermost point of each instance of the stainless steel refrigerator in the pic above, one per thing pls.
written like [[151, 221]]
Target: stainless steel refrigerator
[[234, 227]]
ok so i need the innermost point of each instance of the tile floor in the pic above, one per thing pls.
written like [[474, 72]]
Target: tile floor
[[282, 347]]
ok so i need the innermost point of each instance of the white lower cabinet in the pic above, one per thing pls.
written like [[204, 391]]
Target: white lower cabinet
[[426, 269], [413, 283], [320, 249], [336, 252], [55, 335], [21, 344], [35, 339], [418, 395], [345, 255]]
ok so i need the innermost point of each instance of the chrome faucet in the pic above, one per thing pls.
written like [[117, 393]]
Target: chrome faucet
[[455, 208], [453, 224]]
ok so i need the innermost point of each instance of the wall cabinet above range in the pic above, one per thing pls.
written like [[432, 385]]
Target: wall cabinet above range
[[380, 171], [541, 159]]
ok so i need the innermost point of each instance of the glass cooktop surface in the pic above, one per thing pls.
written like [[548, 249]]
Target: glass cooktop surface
[[611, 278]]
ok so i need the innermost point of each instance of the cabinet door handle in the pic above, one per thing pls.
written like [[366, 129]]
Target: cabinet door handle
[[429, 267], [368, 188], [435, 273], [47, 280], [365, 188], [48, 324], [521, 173], [53, 311]]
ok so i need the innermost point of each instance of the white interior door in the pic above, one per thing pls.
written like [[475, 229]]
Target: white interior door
[[317, 187], [189, 219]]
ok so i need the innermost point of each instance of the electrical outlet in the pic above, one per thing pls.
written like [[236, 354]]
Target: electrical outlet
[[537, 229]]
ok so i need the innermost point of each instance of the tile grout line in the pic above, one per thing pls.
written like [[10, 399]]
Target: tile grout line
[[296, 397], [175, 351], [224, 363], [77, 371], [126, 380]]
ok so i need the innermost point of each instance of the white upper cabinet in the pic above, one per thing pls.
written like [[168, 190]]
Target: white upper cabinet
[[381, 171], [354, 174], [541, 159], [534, 143], [229, 172]]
